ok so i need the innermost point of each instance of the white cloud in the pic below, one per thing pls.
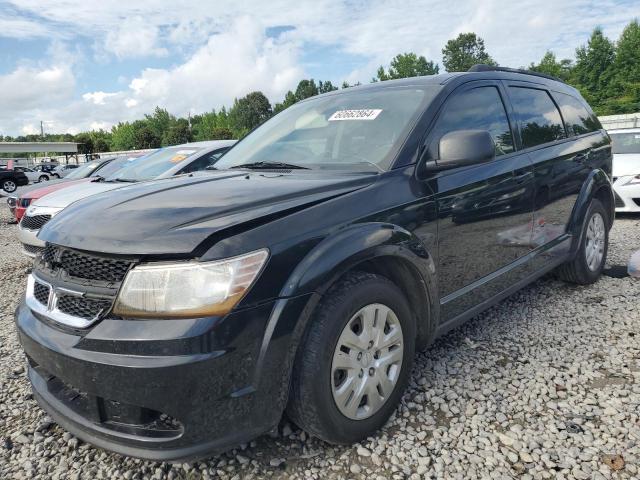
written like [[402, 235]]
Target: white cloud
[[134, 37], [97, 98], [213, 52]]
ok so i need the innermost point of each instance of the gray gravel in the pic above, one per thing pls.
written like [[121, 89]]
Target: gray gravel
[[544, 385]]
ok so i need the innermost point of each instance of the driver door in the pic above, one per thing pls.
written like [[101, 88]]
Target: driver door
[[485, 210]]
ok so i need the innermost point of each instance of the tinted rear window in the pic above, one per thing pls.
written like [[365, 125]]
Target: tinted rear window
[[577, 118], [538, 116]]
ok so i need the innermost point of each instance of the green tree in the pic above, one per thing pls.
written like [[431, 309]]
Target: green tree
[[550, 66], [465, 51], [593, 71], [122, 137], [144, 136], [326, 87], [219, 133], [160, 121], [248, 112], [623, 95], [406, 65], [177, 133], [306, 89], [289, 99], [85, 143]]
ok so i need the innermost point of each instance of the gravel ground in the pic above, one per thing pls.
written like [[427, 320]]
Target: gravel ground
[[544, 385]]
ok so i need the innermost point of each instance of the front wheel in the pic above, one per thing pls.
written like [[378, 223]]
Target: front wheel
[[587, 266], [43, 178], [9, 186], [56, 175], [354, 362]]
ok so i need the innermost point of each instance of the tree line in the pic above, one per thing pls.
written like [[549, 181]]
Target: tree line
[[606, 72]]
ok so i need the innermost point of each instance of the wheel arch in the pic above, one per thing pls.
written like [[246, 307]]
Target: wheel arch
[[597, 185], [384, 249]]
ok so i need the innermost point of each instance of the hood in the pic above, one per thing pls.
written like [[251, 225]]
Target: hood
[[626, 164], [50, 187], [64, 197], [174, 216]]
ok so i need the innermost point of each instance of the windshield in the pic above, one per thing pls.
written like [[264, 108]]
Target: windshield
[[111, 167], [84, 171], [358, 130], [625, 142], [154, 164]]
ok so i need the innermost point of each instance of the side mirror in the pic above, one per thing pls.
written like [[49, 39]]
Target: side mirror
[[465, 147]]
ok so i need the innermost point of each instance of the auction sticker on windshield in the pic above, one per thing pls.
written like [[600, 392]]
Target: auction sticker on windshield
[[364, 114]]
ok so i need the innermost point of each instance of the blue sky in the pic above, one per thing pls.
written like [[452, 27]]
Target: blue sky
[[81, 64]]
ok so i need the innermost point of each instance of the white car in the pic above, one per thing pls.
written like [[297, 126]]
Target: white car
[[34, 176], [62, 171], [163, 163], [626, 168]]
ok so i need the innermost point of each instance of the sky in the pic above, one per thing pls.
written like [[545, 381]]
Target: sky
[[84, 64]]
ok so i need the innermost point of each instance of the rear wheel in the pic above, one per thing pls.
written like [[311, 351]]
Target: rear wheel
[[9, 186], [355, 360], [43, 178], [587, 266]]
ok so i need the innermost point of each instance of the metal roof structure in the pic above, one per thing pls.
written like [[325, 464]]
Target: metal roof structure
[[32, 147]]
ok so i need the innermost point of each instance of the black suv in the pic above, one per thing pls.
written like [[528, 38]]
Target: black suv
[[180, 317], [11, 179]]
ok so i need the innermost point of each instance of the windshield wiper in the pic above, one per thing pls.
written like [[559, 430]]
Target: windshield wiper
[[270, 165], [125, 180], [98, 178]]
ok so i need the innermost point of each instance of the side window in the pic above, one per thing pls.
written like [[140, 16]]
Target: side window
[[577, 118], [480, 108], [205, 161], [538, 116]]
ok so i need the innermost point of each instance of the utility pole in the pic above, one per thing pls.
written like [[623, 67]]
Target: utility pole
[[42, 130]]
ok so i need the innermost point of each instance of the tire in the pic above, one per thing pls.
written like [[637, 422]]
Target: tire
[[43, 178], [315, 383], [56, 175], [580, 270], [9, 186]]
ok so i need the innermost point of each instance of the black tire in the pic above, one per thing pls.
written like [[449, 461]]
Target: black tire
[[43, 178], [56, 175], [311, 403], [577, 270], [9, 186]]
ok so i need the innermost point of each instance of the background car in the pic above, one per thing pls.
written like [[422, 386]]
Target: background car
[[10, 180], [63, 170], [33, 175], [626, 168], [163, 163], [105, 166]]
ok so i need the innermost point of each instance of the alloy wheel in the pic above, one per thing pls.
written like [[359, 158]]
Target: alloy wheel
[[594, 246], [9, 186], [367, 361]]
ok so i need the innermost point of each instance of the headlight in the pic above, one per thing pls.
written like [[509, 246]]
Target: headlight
[[188, 289], [634, 180]]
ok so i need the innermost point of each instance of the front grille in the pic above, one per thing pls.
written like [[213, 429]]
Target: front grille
[[32, 249], [82, 307], [86, 266], [618, 200], [41, 292], [24, 202], [34, 223]]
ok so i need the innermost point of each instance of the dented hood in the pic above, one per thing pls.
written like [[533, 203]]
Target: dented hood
[[174, 216]]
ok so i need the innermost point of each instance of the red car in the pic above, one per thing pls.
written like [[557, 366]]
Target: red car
[[25, 200]]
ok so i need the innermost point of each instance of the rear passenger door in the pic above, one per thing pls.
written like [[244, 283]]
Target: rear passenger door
[[485, 211], [560, 161]]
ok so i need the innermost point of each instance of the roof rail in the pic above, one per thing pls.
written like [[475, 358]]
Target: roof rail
[[481, 67]]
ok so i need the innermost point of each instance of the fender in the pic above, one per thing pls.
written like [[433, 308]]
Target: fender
[[596, 180], [339, 253]]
